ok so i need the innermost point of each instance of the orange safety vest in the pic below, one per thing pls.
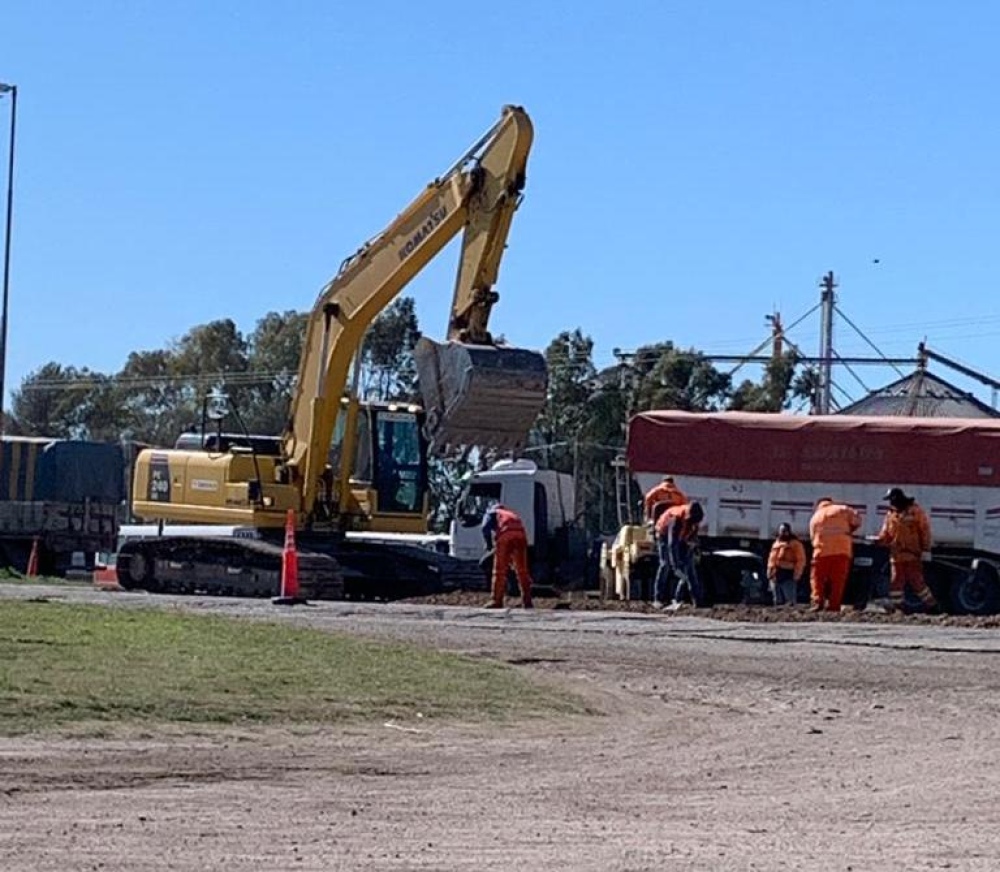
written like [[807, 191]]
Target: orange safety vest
[[907, 533], [666, 493], [831, 528], [509, 522], [787, 554]]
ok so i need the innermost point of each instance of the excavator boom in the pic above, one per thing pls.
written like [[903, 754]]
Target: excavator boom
[[476, 391]]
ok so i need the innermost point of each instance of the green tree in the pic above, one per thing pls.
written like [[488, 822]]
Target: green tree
[[447, 476], [157, 402], [274, 351], [388, 368], [667, 377], [806, 386], [102, 415], [581, 427], [213, 356], [51, 402], [771, 395], [569, 358]]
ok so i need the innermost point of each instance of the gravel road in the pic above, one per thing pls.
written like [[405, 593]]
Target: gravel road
[[714, 745]]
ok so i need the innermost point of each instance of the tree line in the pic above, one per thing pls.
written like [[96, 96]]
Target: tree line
[[159, 394]]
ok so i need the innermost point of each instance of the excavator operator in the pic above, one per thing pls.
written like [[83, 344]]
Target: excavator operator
[[504, 532]]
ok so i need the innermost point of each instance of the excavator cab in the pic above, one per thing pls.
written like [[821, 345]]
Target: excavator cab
[[482, 395]]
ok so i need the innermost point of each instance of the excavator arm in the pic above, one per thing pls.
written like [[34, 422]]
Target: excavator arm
[[489, 218], [478, 194]]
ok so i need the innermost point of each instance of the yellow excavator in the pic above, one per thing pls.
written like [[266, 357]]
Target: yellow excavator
[[349, 470]]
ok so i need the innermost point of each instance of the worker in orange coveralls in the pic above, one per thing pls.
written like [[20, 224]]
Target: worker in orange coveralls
[[906, 531], [504, 532], [661, 496], [831, 529], [785, 564]]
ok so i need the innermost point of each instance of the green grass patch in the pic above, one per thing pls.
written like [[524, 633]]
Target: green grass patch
[[63, 666]]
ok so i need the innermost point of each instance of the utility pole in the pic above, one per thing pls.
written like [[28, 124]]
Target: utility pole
[[827, 304], [777, 336], [12, 90]]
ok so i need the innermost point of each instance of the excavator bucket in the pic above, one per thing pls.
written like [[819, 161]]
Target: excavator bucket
[[483, 395]]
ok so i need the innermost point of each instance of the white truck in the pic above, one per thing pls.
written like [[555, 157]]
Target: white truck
[[546, 502], [752, 471]]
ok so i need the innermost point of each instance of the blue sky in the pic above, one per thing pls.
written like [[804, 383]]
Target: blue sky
[[697, 165]]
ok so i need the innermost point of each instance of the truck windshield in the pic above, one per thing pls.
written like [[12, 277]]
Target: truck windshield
[[476, 500]]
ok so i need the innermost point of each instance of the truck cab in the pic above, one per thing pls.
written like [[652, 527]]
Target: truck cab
[[544, 499]]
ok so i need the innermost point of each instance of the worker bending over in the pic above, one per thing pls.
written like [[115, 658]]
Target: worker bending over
[[831, 529], [678, 525], [906, 532], [504, 533]]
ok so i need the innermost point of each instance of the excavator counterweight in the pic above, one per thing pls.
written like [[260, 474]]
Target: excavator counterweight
[[485, 395]]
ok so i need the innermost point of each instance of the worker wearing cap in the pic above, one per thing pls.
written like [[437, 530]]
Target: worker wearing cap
[[661, 496], [906, 532], [503, 531], [786, 563], [831, 529]]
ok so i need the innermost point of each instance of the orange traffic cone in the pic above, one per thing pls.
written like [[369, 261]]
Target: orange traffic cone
[[289, 567], [32, 570]]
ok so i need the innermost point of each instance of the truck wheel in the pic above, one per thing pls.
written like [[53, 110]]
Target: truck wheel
[[977, 592]]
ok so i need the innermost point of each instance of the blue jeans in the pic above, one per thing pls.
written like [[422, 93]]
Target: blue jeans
[[663, 570], [687, 580], [785, 588]]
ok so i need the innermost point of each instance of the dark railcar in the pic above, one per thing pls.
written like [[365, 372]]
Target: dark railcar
[[65, 495]]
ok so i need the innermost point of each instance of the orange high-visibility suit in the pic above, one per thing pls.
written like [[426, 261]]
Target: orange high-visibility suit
[[907, 533], [831, 529], [504, 531], [666, 493]]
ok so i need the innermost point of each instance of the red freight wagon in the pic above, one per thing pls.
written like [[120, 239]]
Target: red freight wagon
[[752, 471]]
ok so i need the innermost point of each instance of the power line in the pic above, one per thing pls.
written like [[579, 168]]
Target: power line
[[225, 379], [857, 330]]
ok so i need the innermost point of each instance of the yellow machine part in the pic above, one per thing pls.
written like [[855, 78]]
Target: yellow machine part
[[479, 395]]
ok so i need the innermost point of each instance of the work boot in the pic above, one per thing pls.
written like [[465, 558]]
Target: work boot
[[816, 607], [493, 604]]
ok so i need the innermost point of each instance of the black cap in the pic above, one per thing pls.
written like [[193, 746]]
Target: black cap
[[895, 494]]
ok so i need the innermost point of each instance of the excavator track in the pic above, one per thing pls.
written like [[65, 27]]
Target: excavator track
[[329, 568], [223, 567]]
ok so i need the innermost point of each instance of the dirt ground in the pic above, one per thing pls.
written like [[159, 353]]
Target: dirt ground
[[740, 744]]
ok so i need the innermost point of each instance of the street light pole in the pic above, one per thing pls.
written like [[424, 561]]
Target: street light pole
[[12, 90]]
